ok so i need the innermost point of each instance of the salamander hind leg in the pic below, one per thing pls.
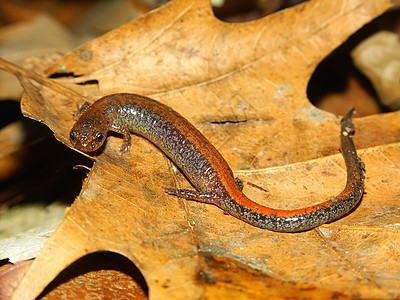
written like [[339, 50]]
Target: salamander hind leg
[[239, 183], [192, 195]]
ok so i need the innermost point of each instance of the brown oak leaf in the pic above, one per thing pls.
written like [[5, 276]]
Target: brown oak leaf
[[244, 86]]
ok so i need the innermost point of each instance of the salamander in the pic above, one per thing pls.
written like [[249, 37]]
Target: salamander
[[204, 166]]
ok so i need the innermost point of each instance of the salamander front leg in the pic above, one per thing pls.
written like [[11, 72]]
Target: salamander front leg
[[126, 145], [239, 183], [81, 111], [192, 195]]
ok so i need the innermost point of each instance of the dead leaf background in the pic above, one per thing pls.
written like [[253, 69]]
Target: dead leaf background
[[248, 84], [379, 58]]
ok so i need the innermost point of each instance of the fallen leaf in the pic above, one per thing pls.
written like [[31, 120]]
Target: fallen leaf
[[22, 40], [379, 58], [10, 275], [244, 86], [28, 230]]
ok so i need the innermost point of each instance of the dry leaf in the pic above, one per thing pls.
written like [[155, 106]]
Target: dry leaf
[[244, 86], [10, 275], [28, 230], [23, 40], [379, 58]]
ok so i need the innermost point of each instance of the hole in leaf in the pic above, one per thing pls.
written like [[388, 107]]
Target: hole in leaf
[[101, 275], [236, 11], [337, 85], [229, 122], [88, 82], [64, 75]]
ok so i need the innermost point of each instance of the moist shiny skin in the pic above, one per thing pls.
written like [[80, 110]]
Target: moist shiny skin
[[204, 166]]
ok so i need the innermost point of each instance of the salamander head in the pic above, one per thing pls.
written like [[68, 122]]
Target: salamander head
[[88, 134]]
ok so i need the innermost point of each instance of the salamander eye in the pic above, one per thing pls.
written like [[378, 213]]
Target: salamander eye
[[72, 135], [99, 136]]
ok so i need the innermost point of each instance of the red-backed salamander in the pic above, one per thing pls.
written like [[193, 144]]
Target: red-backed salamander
[[204, 166]]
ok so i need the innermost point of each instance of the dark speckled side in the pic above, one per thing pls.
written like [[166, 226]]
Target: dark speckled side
[[203, 164]]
